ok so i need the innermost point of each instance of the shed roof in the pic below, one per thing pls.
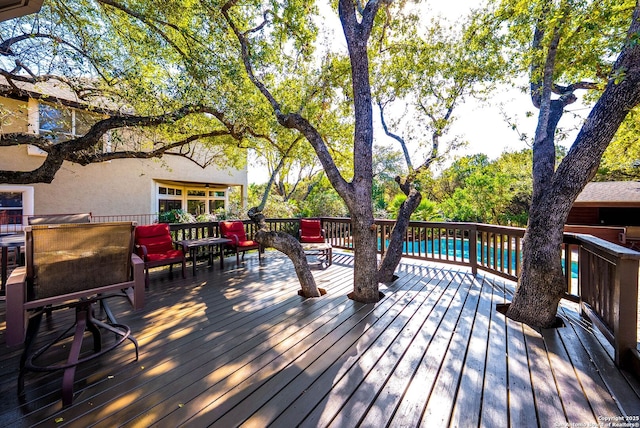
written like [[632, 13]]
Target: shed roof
[[610, 194]]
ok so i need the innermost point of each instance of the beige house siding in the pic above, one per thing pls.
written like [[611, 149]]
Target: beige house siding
[[13, 115], [118, 187]]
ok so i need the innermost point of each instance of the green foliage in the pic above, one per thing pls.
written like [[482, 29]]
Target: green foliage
[[323, 201], [176, 216], [203, 218], [423, 72], [621, 160], [475, 189], [387, 164], [427, 210], [591, 33], [276, 207]]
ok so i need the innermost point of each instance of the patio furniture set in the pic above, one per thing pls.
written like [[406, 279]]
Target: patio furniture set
[[76, 264]]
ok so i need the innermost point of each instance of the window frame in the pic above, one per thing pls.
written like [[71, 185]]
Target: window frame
[[205, 197], [35, 120], [27, 206]]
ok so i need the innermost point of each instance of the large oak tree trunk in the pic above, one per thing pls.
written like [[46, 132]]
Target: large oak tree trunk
[[359, 195], [541, 283], [365, 286]]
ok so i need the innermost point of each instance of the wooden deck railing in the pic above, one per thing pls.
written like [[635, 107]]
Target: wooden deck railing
[[140, 219], [602, 276], [608, 289]]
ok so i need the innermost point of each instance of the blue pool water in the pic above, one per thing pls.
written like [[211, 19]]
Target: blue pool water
[[460, 249]]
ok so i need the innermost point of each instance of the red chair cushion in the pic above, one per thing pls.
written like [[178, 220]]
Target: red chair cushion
[[171, 254], [311, 239], [229, 229], [157, 239], [311, 231], [246, 244]]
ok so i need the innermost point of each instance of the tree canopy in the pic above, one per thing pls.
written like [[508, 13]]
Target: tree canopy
[[220, 75]]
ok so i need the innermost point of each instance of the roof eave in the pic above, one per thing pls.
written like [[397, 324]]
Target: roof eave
[[10, 9]]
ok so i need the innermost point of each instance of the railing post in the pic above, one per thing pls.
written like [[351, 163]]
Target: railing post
[[625, 293], [473, 249]]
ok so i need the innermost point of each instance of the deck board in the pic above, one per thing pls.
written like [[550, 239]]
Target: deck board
[[318, 381], [344, 347], [468, 399], [547, 398], [398, 358], [442, 397], [494, 396], [368, 352], [239, 347], [318, 393], [569, 386], [412, 407], [522, 409]]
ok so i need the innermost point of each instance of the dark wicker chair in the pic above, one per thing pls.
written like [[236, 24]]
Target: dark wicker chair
[[72, 266]]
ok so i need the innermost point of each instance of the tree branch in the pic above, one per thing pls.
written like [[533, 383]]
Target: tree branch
[[148, 22], [291, 120], [82, 150]]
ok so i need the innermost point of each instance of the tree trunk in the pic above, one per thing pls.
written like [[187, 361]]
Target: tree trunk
[[365, 272], [291, 247], [541, 283], [393, 252], [359, 196]]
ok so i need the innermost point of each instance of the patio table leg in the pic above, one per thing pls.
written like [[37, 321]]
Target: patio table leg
[[192, 250]]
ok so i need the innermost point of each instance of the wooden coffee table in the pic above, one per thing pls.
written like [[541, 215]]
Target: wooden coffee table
[[192, 245]]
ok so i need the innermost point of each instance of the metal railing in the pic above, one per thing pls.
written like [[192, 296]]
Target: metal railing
[[16, 223]]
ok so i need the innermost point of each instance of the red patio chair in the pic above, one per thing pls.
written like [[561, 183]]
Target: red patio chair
[[311, 231], [234, 230], [154, 245]]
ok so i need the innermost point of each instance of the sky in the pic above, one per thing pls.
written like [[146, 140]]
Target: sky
[[481, 124]]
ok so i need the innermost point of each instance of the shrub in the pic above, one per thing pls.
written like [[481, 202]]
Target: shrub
[[176, 216]]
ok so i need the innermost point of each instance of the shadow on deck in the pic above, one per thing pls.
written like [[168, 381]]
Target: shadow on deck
[[239, 346]]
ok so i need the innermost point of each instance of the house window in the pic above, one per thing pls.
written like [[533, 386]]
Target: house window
[[196, 200], [169, 198], [165, 205], [216, 205], [63, 123], [217, 200], [205, 201], [16, 203], [11, 211]]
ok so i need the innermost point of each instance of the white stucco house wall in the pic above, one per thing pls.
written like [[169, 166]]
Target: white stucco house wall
[[113, 188]]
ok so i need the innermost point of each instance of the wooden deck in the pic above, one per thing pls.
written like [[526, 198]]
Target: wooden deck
[[240, 347]]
